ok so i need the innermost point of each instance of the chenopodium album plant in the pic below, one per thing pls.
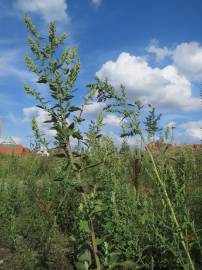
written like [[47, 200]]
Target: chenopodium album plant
[[131, 125], [59, 73]]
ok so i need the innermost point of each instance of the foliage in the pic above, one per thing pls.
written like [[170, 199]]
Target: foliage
[[83, 212], [41, 228], [151, 122], [58, 71]]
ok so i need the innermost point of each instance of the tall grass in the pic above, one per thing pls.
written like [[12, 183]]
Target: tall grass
[[44, 222]]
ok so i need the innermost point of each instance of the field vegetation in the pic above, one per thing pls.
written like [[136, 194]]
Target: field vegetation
[[96, 206], [51, 224]]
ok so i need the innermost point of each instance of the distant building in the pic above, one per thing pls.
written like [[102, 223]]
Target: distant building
[[9, 146], [157, 145], [197, 146]]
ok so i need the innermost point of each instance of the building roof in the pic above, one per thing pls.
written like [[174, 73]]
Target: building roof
[[7, 141], [16, 149]]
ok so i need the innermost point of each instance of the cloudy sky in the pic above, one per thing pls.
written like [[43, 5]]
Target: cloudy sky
[[153, 47]]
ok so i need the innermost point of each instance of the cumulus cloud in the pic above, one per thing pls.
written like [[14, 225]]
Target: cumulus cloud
[[131, 141], [41, 116], [9, 65], [159, 52], [112, 120], [163, 87], [96, 2], [91, 110], [171, 124], [94, 107], [48, 10], [187, 57], [193, 129]]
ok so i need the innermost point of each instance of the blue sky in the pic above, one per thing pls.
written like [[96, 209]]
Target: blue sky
[[153, 47]]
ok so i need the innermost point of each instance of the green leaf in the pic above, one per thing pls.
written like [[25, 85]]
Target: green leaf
[[84, 227], [31, 27], [99, 241], [30, 64], [48, 121], [100, 118], [74, 109], [71, 126], [42, 79], [77, 135], [34, 47]]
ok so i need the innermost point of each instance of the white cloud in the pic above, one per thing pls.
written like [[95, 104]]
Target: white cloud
[[40, 116], [9, 65], [91, 112], [192, 129], [171, 124], [112, 120], [16, 139], [159, 52], [48, 9], [187, 57], [92, 109], [131, 141], [12, 67], [96, 2], [164, 87]]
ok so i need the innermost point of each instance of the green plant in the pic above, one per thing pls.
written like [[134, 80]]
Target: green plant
[[130, 114], [60, 74], [84, 213], [151, 122]]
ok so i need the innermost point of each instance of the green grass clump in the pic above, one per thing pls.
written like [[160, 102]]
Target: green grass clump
[[48, 224]]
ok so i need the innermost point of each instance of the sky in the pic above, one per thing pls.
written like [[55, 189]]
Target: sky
[[153, 48]]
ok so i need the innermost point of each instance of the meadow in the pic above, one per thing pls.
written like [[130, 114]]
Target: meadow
[[47, 223]]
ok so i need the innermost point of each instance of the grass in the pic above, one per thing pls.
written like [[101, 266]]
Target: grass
[[47, 224]]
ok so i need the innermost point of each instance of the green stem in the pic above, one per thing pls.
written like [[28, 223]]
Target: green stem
[[93, 239], [95, 249], [168, 201]]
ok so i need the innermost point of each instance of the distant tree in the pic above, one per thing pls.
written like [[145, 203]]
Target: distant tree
[[151, 122]]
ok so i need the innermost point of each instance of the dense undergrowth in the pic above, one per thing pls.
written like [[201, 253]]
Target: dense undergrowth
[[44, 222]]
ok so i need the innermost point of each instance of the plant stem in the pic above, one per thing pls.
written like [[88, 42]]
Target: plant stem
[[169, 203], [93, 239], [94, 245]]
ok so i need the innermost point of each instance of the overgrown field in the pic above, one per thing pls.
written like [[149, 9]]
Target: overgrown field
[[96, 207], [113, 217]]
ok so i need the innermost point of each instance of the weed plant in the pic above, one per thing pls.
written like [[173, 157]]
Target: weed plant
[[41, 228]]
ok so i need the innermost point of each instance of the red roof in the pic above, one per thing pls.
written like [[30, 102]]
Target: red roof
[[197, 146], [14, 149]]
